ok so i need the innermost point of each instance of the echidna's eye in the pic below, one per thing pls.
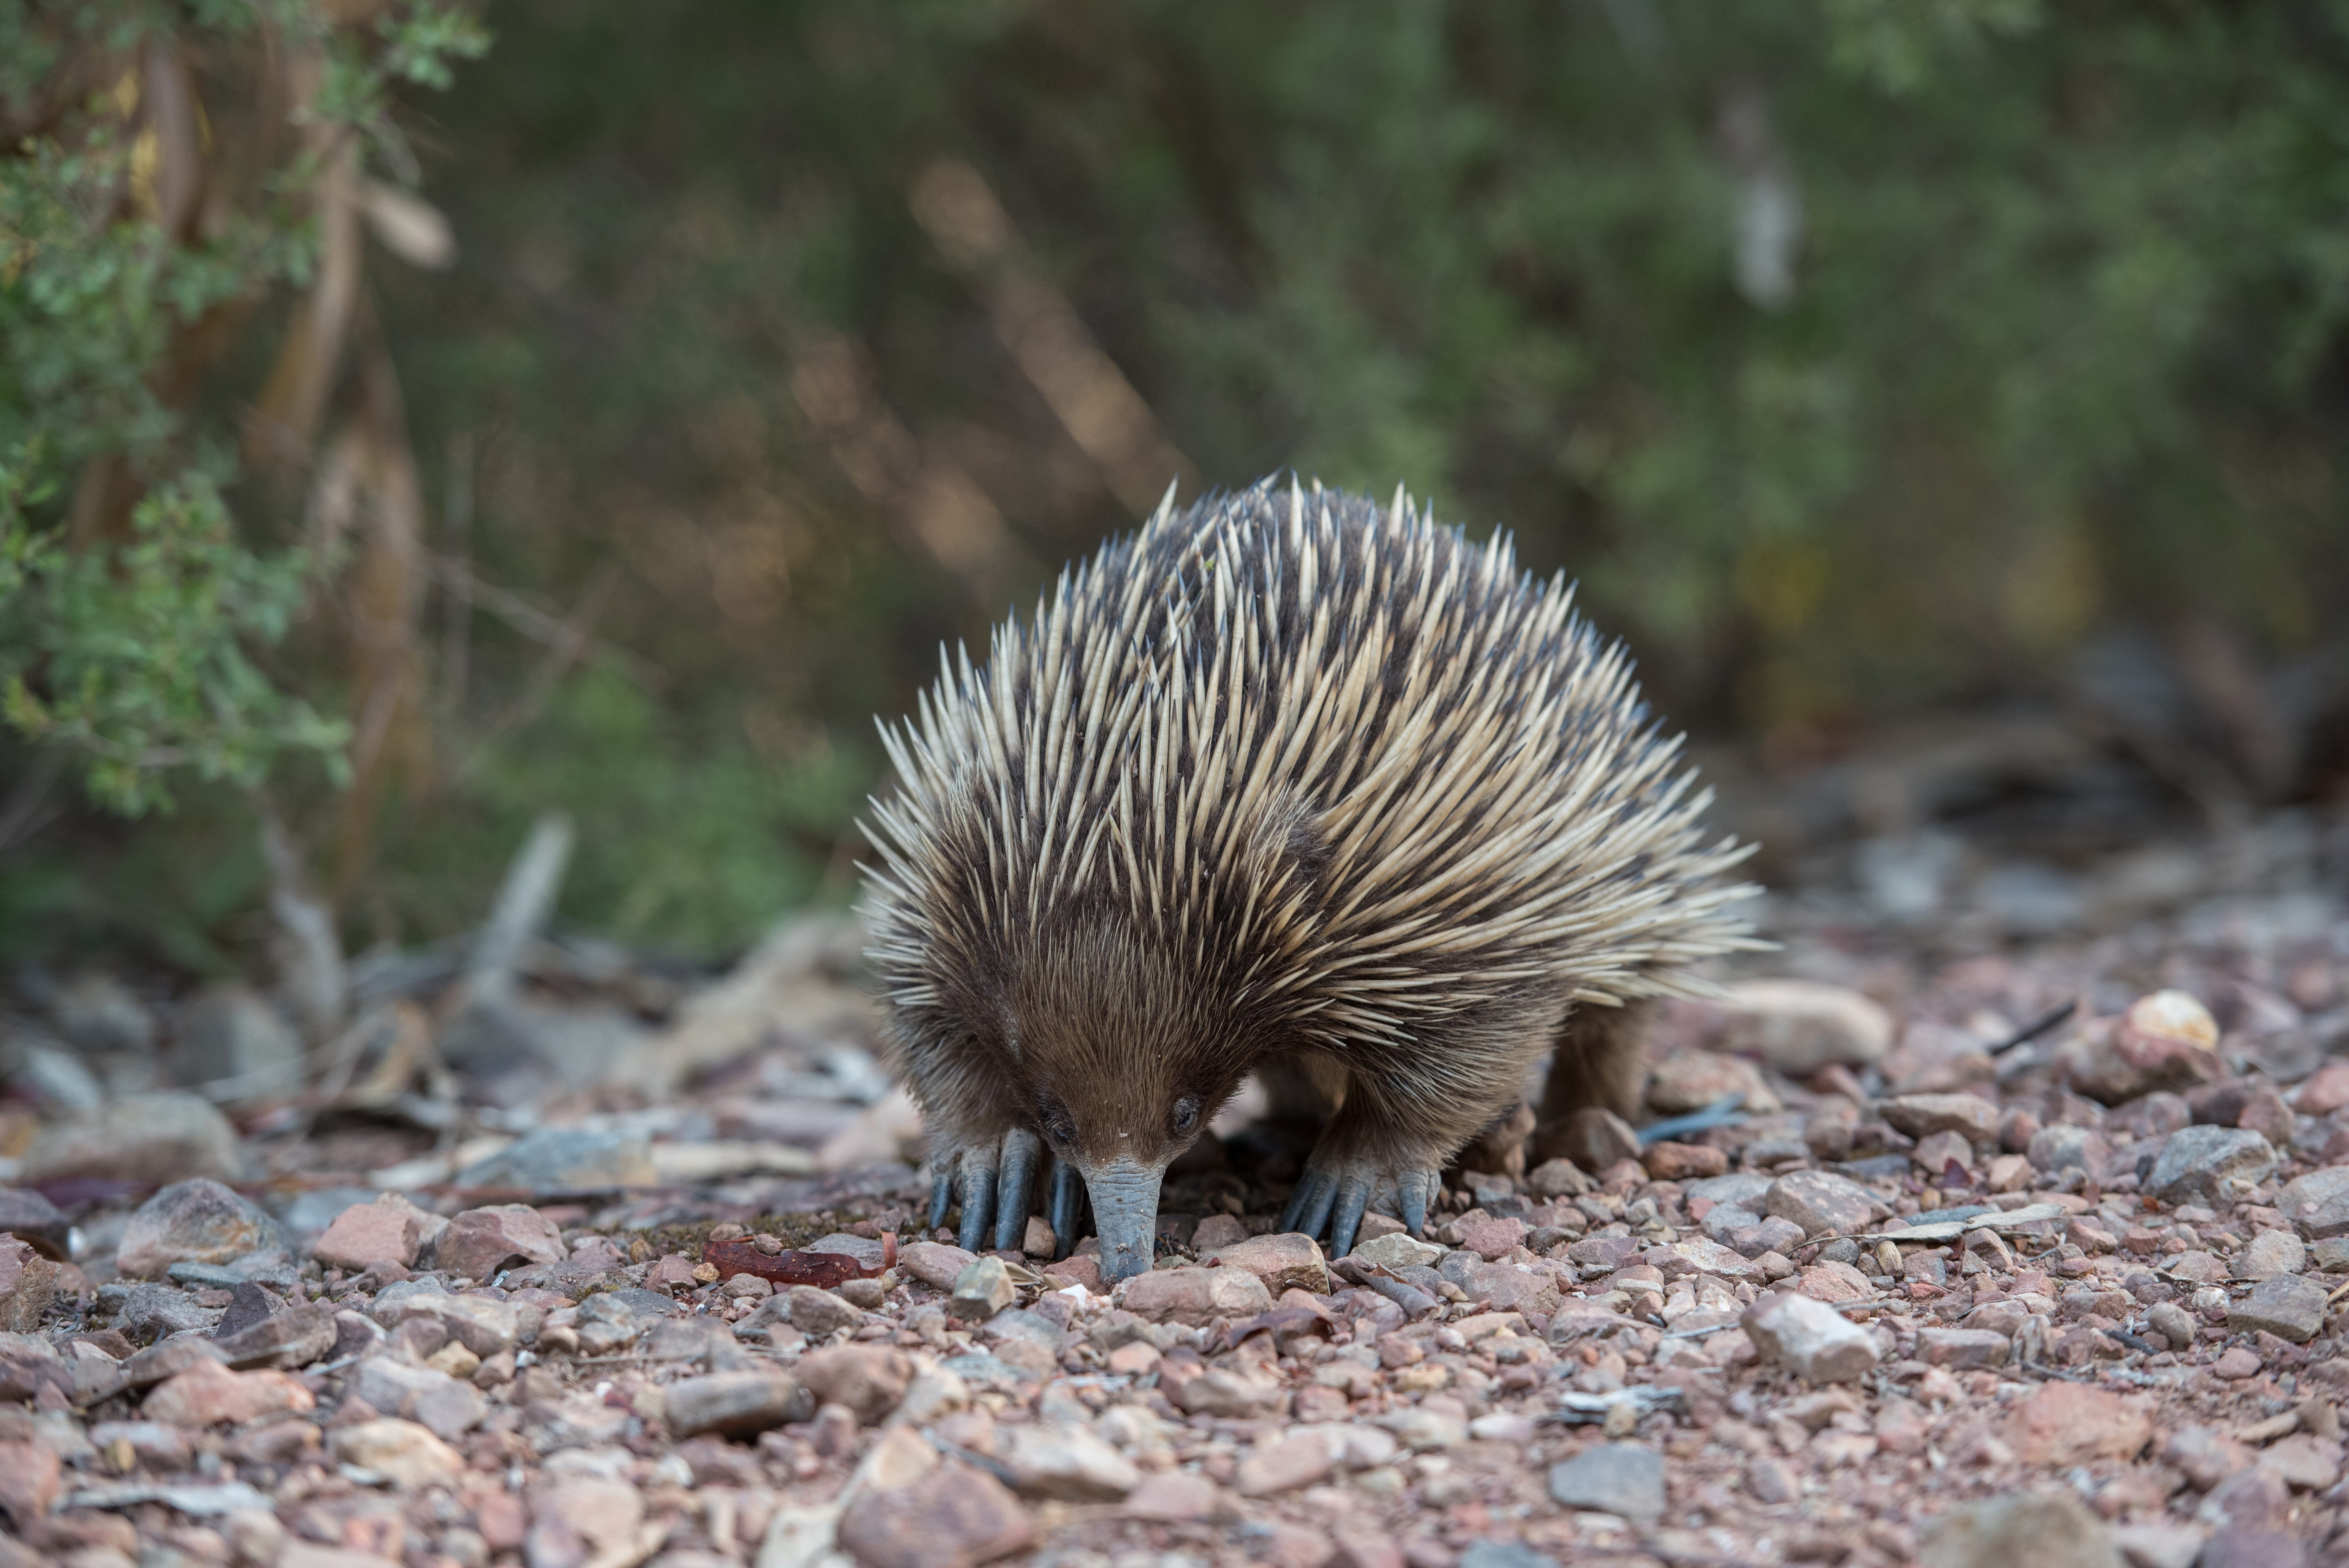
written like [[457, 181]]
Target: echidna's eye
[[1185, 1116]]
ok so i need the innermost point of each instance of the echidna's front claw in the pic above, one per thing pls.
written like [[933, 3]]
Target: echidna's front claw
[[1067, 1192], [1020, 1148], [978, 1197], [1335, 1197]]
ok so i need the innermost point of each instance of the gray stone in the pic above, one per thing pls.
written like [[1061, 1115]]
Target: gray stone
[[1398, 1250], [291, 1338], [734, 1404], [1627, 1479], [424, 1395], [2197, 1162], [2270, 1253], [233, 1039], [35, 1221], [2290, 1306], [98, 1012], [981, 1290], [1818, 1343], [2065, 1147], [1065, 1461], [1923, 1115], [152, 1312], [566, 1160], [819, 1313], [142, 1139], [2332, 1254], [2045, 1529], [197, 1220], [1503, 1555], [2173, 1323], [1820, 1201], [2318, 1203]]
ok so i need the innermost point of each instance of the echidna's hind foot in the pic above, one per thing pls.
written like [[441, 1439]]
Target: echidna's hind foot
[[993, 1178], [1336, 1192]]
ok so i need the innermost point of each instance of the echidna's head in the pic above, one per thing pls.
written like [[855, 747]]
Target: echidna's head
[[1122, 1058]]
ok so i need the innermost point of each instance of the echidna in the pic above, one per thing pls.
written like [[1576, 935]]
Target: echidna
[[1287, 776]]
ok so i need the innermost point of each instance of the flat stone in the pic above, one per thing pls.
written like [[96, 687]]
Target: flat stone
[[1236, 1392], [404, 1452], [2043, 1529], [1283, 1261], [481, 1324], [555, 1161], [1559, 1178], [735, 1404], [144, 1139], [1398, 1250], [1708, 1256], [819, 1314], [1174, 1497], [1670, 1161], [288, 1340], [208, 1394], [1963, 1349], [2317, 1204], [480, 1244], [2060, 1425], [1285, 1464], [366, 1234], [37, 1223], [2196, 1164], [1922, 1115], [1626, 1479], [869, 1379], [2290, 1306], [1066, 1462], [152, 1312], [196, 1221], [982, 1290], [1501, 1287], [1815, 1341], [2270, 1253], [1821, 1201], [957, 1517], [935, 1264], [1683, 1081], [431, 1399], [1797, 1027], [1194, 1295]]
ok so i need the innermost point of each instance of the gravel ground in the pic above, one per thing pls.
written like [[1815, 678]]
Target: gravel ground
[[594, 1267]]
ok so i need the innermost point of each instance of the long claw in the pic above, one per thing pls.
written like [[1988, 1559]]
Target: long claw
[[1299, 1198], [1316, 1208], [1020, 1148], [941, 1195], [1413, 1191], [978, 1203], [1068, 1187], [1354, 1197]]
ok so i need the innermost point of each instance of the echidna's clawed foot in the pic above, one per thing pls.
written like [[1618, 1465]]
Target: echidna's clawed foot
[[1067, 1192], [1020, 1149], [1334, 1193], [994, 1179]]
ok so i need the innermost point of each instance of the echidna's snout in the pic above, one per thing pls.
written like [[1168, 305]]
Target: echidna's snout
[[1124, 1194]]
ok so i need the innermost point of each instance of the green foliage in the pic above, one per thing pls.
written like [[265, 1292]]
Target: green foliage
[[131, 644]]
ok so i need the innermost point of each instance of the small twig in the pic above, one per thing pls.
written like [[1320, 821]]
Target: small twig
[[466, 585], [2036, 1027]]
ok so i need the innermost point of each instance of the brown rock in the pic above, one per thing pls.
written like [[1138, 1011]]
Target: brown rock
[[1922, 1115], [1194, 1295], [1820, 1201], [1963, 1349], [1670, 1161], [1172, 1497], [2065, 1424], [2326, 1090], [482, 1242], [1490, 1239], [28, 1283], [1232, 1391], [935, 1264], [2317, 1204], [2045, 1529], [735, 1404], [1816, 1341], [142, 1139], [1284, 1465], [35, 1221], [1798, 1027], [1834, 1282], [366, 1234], [1215, 1232], [1064, 1460], [869, 1379], [1083, 1269], [291, 1338], [199, 1222], [1289, 1261], [1559, 1178], [1683, 1081], [403, 1451], [208, 1394], [30, 1476], [2166, 1041], [956, 1518]]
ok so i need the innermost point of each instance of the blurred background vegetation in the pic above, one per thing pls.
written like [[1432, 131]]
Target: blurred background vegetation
[[415, 419]]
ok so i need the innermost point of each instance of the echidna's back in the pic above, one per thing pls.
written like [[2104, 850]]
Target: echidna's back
[[1332, 748]]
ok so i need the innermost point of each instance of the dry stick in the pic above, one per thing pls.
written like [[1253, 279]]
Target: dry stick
[[564, 652], [476, 591]]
